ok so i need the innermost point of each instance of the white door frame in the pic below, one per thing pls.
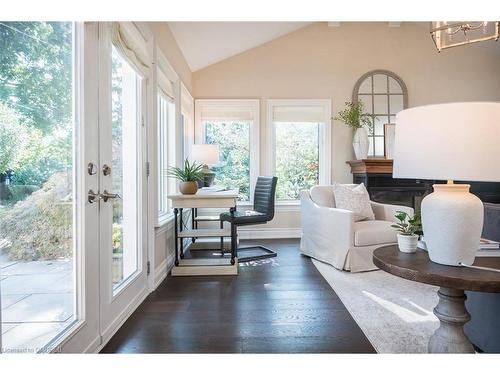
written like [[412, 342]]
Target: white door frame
[[115, 309]]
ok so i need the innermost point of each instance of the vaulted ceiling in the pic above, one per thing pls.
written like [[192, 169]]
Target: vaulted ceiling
[[206, 43]]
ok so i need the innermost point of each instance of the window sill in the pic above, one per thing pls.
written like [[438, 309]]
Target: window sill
[[163, 220]]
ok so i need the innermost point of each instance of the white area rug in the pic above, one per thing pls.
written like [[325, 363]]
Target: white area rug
[[395, 314]]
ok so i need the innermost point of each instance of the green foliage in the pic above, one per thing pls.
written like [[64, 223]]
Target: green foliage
[[36, 138], [11, 139], [40, 227], [407, 225], [117, 238], [190, 172], [36, 71], [233, 139], [20, 192], [297, 158], [354, 117]]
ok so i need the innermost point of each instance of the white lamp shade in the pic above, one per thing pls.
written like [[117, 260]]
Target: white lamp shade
[[205, 154], [456, 141]]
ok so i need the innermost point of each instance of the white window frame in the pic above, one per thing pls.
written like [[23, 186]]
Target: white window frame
[[187, 114], [172, 143], [169, 147], [254, 106], [325, 137]]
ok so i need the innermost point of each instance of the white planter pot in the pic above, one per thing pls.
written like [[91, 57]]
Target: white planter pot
[[360, 144], [452, 220], [407, 244]]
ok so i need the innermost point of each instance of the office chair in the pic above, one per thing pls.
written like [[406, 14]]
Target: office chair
[[263, 211]]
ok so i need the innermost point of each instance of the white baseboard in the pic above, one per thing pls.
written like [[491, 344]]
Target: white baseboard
[[94, 346], [267, 233], [160, 273]]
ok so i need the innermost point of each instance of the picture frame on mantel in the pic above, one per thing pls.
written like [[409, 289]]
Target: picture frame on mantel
[[389, 137]]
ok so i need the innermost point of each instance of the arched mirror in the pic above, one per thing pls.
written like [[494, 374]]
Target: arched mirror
[[383, 94]]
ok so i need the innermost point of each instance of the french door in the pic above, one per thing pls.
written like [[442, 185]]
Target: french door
[[73, 186], [122, 184]]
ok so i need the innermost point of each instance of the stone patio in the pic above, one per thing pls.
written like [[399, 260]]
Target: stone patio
[[37, 300]]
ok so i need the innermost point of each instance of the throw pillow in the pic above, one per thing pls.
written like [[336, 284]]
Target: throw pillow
[[355, 199]]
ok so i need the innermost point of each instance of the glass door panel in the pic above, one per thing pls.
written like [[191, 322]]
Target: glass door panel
[[37, 190], [122, 182], [124, 169]]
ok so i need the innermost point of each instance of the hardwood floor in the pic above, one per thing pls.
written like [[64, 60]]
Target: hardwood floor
[[279, 305]]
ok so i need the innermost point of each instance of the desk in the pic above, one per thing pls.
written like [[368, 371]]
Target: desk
[[453, 281], [203, 199]]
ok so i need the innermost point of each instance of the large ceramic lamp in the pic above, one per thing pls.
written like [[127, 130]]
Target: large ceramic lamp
[[455, 141], [207, 155]]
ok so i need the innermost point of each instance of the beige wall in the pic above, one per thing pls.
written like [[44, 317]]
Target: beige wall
[[325, 62], [168, 45]]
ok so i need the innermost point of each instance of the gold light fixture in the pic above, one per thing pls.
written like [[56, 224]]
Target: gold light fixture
[[447, 34]]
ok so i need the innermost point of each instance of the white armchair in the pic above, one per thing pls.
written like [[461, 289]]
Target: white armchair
[[332, 236]]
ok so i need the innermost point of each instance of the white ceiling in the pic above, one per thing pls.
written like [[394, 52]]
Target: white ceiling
[[205, 43]]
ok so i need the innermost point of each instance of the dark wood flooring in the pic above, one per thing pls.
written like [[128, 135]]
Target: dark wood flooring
[[279, 305]]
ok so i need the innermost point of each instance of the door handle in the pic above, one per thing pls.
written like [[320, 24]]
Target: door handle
[[106, 195], [93, 196]]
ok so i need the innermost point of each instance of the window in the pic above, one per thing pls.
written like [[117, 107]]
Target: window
[[383, 94], [166, 150], [167, 134], [38, 172], [234, 126], [300, 145]]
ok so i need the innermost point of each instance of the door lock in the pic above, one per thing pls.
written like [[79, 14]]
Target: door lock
[[106, 170], [91, 168]]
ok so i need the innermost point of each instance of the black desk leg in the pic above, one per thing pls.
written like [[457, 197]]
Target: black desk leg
[[182, 239], [175, 237], [193, 214], [222, 239], [233, 235]]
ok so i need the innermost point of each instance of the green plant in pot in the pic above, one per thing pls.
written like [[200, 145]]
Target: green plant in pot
[[189, 175], [356, 119], [408, 228]]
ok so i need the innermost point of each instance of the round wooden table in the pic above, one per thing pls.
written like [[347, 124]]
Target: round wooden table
[[452, 282]]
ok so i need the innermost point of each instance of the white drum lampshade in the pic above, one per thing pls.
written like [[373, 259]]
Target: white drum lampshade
[[205, 154], [454, 141]]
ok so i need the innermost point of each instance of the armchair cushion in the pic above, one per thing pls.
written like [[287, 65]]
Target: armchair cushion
[[374, 232], [322, 195], [355, 199]]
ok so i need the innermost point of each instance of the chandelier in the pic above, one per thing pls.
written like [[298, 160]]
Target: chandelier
[[447, 34]]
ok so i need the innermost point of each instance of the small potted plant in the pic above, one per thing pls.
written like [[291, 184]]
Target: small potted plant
[[355, 118], [407, 228], [188, 176]]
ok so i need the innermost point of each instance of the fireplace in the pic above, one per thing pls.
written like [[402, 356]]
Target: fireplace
[[376, 174]]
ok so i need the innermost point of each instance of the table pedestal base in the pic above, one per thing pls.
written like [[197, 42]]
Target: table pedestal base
[[452, 314]]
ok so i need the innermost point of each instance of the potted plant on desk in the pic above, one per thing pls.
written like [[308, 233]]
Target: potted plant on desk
[[407, 231], [189, 175]]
